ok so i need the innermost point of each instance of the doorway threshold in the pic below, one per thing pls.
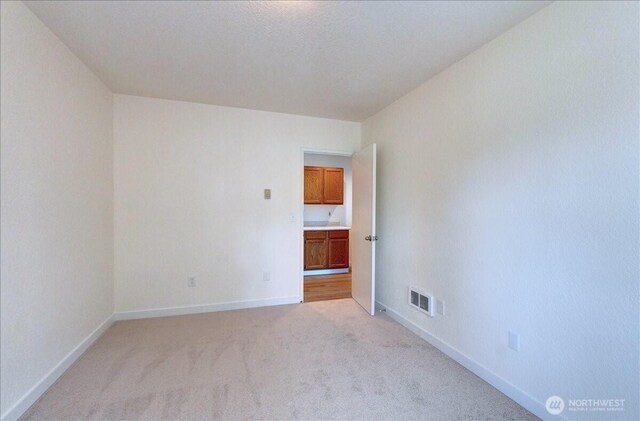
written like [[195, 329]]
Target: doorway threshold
[[325, 272]]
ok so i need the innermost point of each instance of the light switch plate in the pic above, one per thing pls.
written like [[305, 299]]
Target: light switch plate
[[440, 307], [514, 341]]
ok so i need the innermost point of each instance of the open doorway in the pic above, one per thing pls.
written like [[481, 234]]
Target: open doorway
[[327, 216], [338, 226]]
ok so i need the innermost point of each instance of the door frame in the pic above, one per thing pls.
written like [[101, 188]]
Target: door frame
[[305, 150]]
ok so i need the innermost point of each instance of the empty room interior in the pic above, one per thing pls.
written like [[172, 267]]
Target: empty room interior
[[348, 210]]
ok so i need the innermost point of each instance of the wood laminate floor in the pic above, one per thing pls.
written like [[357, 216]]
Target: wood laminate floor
[[327, 287]]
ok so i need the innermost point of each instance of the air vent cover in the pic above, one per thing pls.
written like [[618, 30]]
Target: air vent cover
[[421, 301], [414, 299]]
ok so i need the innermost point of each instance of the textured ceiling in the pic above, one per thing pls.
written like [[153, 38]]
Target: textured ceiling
[[343, 60]]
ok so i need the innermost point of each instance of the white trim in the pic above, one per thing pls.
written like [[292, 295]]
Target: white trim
[[29, 398], [203, 308], [301, 221], [325, 152], [374, 231], [316, 272], [527, 401]]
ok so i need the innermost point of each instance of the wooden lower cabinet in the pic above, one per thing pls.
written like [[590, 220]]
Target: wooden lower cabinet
[[315, 250], [338, 249], [326, 249]]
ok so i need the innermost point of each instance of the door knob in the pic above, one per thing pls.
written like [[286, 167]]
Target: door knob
[[368, 238]]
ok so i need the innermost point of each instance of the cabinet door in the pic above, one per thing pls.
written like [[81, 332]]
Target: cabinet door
[[315, 250], [333, 186], [313, 185], [338, 249]]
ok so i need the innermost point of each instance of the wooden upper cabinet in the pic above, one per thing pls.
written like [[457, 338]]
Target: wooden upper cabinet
[[333, 186], [323, 185], [313, 185]]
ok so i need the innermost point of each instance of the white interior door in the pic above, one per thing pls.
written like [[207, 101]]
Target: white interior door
[[363, 228]]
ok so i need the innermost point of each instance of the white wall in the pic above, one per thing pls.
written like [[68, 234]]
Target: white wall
[[57, 202], [189, 182], [508, 187], [340, 214]]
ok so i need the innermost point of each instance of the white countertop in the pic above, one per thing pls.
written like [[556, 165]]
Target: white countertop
[[327, 228], [323, 227]]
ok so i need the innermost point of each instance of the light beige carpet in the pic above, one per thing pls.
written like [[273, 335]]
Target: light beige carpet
[[323, 360]]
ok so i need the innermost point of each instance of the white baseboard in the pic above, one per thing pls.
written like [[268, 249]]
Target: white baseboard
[[204, 308], [38, 390], [528, 402]]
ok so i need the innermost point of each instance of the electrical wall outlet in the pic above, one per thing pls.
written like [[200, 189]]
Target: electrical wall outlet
[[440, 307], [514, 341], [266, 276], [267, 194], [191, 282]]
